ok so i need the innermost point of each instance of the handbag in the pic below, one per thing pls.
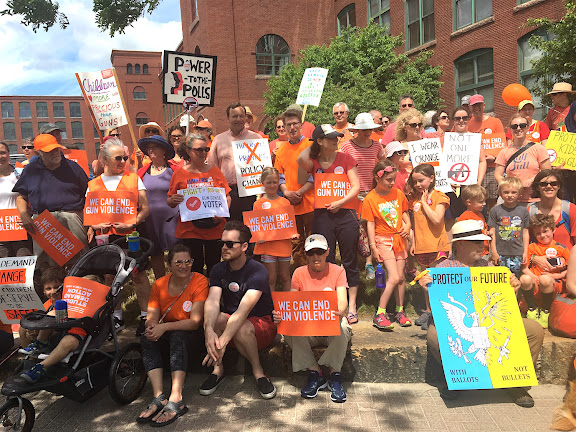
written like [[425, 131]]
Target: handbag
[[363, 243]]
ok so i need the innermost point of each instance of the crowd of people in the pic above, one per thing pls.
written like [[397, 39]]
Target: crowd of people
[[217, 292]]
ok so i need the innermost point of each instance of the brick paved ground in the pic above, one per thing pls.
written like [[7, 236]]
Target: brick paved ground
[[237, 406]]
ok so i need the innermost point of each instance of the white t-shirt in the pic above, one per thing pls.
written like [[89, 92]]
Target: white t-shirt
[[111, 182], [7, 197]]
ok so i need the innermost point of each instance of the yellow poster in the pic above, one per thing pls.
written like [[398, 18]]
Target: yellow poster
[[561, 148]]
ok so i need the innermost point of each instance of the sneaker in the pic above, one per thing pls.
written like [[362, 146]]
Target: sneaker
[[316, 382], [119, 324], [141, 327], [34, 374], [266, 388], [36, 348], [422, 318], [338, 394], [543, 318], [370, 272], [402, 319], [520, 397], [381, 322], [426, 324], [532, 314], [211, 384]]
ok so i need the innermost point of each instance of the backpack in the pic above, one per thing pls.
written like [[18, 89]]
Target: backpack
[[562, 321]]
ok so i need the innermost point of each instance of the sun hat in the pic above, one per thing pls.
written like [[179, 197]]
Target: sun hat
[[143, 128], [143, 144], [295, 107], [316, 241], [364, 121], [249, 113], [468, 230], [325, 131], [393, 147], [477, 98], [524, 103], [46, 142], [561, 87]]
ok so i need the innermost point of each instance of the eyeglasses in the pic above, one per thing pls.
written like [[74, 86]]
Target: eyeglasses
[[519, 125], [553, 183], [177, 136], [290, 125], [184, 263], [415, 125], [407, 105], [200, 149], [152, 131], [229, 243], [401, 152], [339, 112], [443, 117], [114, 135], [27, 147], [121, 158], [461, 118], [315, 251]]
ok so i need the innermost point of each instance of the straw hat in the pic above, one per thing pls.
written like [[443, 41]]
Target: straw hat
[[151, 125], [468, 230], [561, 87]]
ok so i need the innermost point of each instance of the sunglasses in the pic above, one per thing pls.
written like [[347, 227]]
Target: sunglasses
[[519, 125], [401, 152], [415, 125], [553, 183], [461, 118], [152, 131], [279, 127], [229, 243], [114, 135], [443, 117], [339, 112], [385, 121], [176, 136], [407, 105], [315, 251], [184, 263], [27, 147], [121, 158], [200, 149]]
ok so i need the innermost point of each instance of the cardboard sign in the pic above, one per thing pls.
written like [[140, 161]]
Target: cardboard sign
[[54, 239], [101, 94], [84, 296], [429, 150], [80, 157], [482, 338], [203, 202], [250, 158], [312, 86], [493, 143], [561, 148], [332, 187], [274, 224], [189, 75], [307, 313], [460, 158], [17, 294], [110, 206], [11, 226]]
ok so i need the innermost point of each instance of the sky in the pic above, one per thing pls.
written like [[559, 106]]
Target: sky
[[44, 63]]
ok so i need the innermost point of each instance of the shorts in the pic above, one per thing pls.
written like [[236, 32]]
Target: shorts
[[265, 258], [514, 263], [429, 258], [264, 329], [76, 332], [386, 251], [490, 184]]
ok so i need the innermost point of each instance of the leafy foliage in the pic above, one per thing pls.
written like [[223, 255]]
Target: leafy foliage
[[36, 13], [364, 71]]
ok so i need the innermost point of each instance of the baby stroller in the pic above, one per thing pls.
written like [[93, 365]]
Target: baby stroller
[[90, 368]]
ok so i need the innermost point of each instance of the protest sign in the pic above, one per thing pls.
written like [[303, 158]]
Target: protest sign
[[307, 313], [561, 148], [429, 150], [11, 227], [110, 206], [312, 86], [102, 95], [203, 202], [493, 143], [460, 158], [274, 224], [80, 157], [333, 187], [250, 158], [84, 296], [17, 294], [54, 239], [189, 75], [480, 331]]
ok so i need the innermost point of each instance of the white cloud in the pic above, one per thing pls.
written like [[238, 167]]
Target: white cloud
[[44, 63]]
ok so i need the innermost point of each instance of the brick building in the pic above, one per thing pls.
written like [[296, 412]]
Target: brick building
[[481, 44]]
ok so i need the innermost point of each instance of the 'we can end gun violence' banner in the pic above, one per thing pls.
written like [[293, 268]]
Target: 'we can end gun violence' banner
[[17, 294], [54, 239], [274, 224], [11, 228], [480, 331], [110, 207]]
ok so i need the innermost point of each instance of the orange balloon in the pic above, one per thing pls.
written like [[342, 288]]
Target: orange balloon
[[515, 93]]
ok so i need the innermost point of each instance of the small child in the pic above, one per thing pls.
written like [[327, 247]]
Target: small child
[[508, 224], [538, 287], [276, 251], [474, 196]]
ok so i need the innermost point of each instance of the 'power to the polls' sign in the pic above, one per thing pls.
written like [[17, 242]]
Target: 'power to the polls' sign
[[189, 75], [54, 239], [274, 224], [17, 294]]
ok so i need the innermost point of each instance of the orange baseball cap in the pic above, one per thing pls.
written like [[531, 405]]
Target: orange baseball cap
[[204, 124], [46, 143]]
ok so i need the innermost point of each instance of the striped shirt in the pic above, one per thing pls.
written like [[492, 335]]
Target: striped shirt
[[366, 158]]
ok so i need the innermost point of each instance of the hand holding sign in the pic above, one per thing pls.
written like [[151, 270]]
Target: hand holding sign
[[203, 202]]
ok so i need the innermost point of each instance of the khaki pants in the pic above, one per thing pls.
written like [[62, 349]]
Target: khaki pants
[[303, 356]]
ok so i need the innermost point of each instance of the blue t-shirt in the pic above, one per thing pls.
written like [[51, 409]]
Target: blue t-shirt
[[252, 276], [508, 224], [61, 189]]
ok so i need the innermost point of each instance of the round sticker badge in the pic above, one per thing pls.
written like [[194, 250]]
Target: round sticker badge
[[339, 170], [417, 206], [429, 201], [187, 306], [487, 131], [536, 135], [481, 224], [233, 286], [266, 205], [551, 253]]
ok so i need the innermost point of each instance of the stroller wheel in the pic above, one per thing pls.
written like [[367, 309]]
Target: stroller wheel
[[127, 374], [9, 415]]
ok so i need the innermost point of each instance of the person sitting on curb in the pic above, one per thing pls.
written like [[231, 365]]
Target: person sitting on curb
[[467, 249], [320, 275]]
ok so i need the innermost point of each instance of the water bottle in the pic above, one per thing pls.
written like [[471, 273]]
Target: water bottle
[[380, 276], [61, 311], [133, 241]]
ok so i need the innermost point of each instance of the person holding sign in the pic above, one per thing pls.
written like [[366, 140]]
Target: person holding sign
[[201, 236], [337, 221], [320, 275]]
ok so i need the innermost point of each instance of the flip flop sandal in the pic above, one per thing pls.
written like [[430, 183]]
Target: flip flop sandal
[[177, 407], [155, 403], [352, 318]]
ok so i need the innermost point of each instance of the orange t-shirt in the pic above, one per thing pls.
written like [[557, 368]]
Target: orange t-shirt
[[477, 216], [555, 117], [307, 129], [196, 290], [183, 179], [377, 135], [427, 236], [277, 248], [553, 250], [386, 213], [329, 279], [489, 126], [286, 164]]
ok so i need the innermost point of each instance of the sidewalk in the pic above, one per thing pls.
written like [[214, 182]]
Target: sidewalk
[[237, 406]]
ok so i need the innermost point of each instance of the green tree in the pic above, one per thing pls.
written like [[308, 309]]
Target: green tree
[[365, 72]]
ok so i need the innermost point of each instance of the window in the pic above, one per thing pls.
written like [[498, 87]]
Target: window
[[194, 4], [9, 131], [42, 109], [419, 22], [137, 69], [77, 130], [7, 110], [145, 69], [139, 93], [75, 110], [24, 108], [272, 52], [129, 69], [96, 136], [77, 144], [379, 12], [26, 129], [62, 127], [474, 73], [467, 12], [58, 108], [141, 119], [346, 18]]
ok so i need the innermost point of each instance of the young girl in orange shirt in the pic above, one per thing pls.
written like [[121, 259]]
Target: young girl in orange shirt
[[385, 210], [276, 251]]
